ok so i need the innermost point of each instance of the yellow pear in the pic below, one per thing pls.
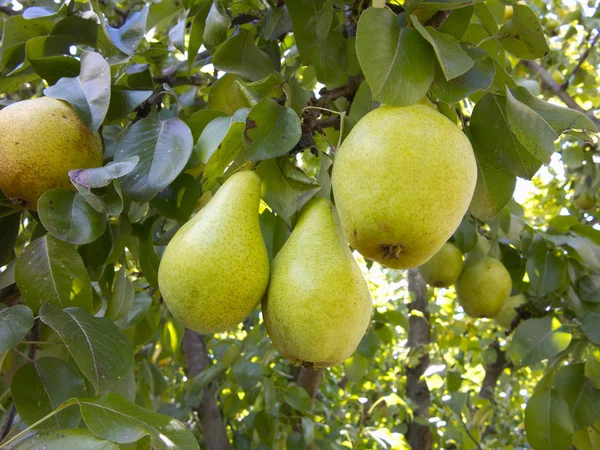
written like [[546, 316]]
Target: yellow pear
[[403, 180], [215, 270], [509, 310], [318, 305], [444, 268], [40, 141], [226, 96], [483, 287]]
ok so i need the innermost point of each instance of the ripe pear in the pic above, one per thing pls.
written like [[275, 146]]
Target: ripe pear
[[509, 310], [444, 268], [226, 96], [215, 270], [403, 180], [483, 287], [318, 305], [40, 141]]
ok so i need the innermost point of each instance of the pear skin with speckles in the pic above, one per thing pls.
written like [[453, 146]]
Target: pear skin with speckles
[[40, 141], [318, 305], [402, 181], [215, 269], [444, 268]]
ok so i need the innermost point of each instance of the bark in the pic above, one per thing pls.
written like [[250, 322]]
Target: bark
[[492, 373], [418, 436], [209, 414], [310, 380]]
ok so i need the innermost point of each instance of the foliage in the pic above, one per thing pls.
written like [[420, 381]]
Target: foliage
[[88, 348]]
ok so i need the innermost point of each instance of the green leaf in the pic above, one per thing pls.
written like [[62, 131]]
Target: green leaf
[[306, 18], [269, 393], [217, 24], [178, 201], [275, 232], [591, 327], [17, 30], [240, 55], [50, 270], [494, 189], [546, 271], [141, 305], [123, 102], [163, 146], [200, 119], [89, 93], [286, 188], [582, 397], [122, 296], [453, 60], [271, 130], [297, 398], [98, 177], [113, 418], [128, 37], [537, 339], [356, 367], [399, 64], [67, 216], [589, 288], [39, 387], [548, 422], [149, 260], [177, 35], [15, 323], [457, 22], [330, 59], [247, 374], [203, 379], [522, 35], [73, 439], [439, 5], [491, 131], [102, 352], [196, 36]]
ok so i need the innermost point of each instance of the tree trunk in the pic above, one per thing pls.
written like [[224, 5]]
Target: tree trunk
[[215, 435], [418, 436]]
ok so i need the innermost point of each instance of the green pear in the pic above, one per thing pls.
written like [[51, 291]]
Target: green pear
[[444, 268], [403, 180], [483, 287], [318, 305], [215, 270], [40, 141], [226, 96], [509, 310]]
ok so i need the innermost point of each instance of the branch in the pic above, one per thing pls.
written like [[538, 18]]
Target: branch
[[9, 11], [493, 372], [309, 379], [241, 19], [209, 414], [418, 436], [549, 83], [582, 59], [438, 19], [7, 425]]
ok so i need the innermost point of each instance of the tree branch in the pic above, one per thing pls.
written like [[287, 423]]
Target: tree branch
[[209, 414], [582, 59], [493, 372], [418, 436], [549, 83], [9, 11], [438, 19]]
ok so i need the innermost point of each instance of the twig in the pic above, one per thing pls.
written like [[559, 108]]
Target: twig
[[464, 424], [9, 11], [7, 425], [582, 59], [438, 19], [241, 19]]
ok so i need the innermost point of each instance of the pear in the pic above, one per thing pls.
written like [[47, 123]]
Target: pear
[[215, 270], [403, 180], [509, 310], [318, 305], [483, 287], [226, 96], [444, 268], [40, 141]]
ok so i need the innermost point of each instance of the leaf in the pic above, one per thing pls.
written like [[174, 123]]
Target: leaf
[[15, 323], [582, 397], [247, 374], [453, 60], [548, 421], [589, 288], [67, 216], [128, 37], [98, 177], [591, 328], [494, 189], [39, 387], [457, 22], [196, 36], [323, 21], [122, 296], [203, 379], [330, 59], [177, 36], [9, 231], [72, 439], [399, 64], [439, 5], [297, 398], [49, 270], [537, 339], [269, 393], [491, 131], [149, 261], [178, 201], [306, 17], [123, 102], [102, 352], [239, 54], [271, 130], [141, 305], [89, 93], [217, 24], [522, 35], [356, 367], [113, 418], [275, 232], [163, 147], [286, 188], [546, 271]]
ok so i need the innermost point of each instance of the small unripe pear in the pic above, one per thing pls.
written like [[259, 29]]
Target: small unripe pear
[[444, 268], [483, 287], [40, 141]]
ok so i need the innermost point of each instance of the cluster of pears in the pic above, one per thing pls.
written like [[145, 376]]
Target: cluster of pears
[[216, 270], [483, 285], [40, 141]]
